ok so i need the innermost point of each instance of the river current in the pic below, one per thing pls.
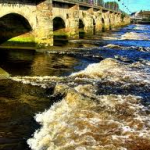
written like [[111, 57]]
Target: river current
[[95, 96]]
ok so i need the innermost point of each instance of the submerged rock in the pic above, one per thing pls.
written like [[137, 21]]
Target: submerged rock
[[4, 74]]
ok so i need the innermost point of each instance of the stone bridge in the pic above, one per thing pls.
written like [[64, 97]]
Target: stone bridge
[[46, 18]]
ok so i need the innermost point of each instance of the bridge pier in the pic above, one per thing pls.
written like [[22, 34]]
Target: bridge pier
[[110, 20], [106, 16], [98, 21], [86, 15], [118, 20], [72, 22], [44, 25], [88, 24], [125, 20]]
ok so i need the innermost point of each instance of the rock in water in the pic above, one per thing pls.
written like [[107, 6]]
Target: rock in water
[[3, 74]]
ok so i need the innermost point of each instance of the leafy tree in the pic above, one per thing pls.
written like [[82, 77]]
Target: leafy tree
[[112, 5]]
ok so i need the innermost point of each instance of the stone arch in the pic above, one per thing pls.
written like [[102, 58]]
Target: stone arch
[[112, 19], [81, 24], [94, 26], [30, 18], [110, 24], [17, 17], [81, 28], [59, 32], [58, 23], [13, 25], [62, 16], [103, 24]]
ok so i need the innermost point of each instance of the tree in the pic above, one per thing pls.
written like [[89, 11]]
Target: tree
[[112, 5]]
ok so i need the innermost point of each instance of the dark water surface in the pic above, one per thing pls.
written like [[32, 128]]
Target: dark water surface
[[122, 73], [19, 102]]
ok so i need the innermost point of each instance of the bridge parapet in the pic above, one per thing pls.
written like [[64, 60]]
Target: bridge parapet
[[88, 4]]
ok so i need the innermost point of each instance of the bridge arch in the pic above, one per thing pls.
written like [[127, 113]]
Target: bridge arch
[[17, 17], [81, 24], [103, 24], [13, 25], [60, 37], [81, 28], [110, 24], [94, 26], [58, 23], [30, 18]]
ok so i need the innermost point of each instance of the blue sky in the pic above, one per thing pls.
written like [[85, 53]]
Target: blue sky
[[133, 5]]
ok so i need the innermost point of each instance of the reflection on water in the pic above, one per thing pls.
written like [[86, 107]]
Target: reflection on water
[[89, 98], [18, 104], [28, 62], [52, 65]]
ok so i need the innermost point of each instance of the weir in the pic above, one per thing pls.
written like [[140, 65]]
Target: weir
[[48, 18]]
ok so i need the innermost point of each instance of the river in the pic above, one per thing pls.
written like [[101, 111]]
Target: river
[[92, 96]]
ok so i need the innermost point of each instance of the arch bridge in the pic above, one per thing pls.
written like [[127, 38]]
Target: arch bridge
[[44, 19]]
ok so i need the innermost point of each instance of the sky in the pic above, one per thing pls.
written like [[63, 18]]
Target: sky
[[133, 5]]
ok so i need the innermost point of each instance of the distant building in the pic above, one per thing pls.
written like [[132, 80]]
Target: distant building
[[98, 2], [93, 2], [140, 16], [136, 16], [144, 14]]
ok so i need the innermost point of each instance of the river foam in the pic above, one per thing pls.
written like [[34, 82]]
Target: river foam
[[111, 69], [99, 122], [89, 116], [134, 36], [139, 27]]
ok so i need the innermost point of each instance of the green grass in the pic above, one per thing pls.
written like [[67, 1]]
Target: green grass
[[3, 74], [21, 39]]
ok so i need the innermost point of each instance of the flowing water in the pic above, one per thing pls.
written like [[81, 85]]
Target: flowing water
[[92, 97]]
